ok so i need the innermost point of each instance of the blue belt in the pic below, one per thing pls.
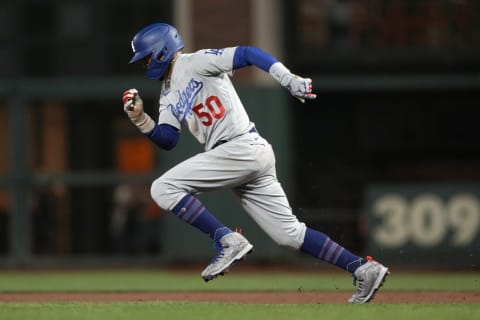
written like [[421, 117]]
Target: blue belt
[[220, 142]]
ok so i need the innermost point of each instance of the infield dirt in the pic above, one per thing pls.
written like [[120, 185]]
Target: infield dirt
[[246, 297]]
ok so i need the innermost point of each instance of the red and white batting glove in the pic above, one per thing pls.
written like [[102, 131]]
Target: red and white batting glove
[[300, 88], [132, 103], [133, 107]]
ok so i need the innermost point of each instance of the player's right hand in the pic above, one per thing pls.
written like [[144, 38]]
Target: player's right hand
[[132, 103]]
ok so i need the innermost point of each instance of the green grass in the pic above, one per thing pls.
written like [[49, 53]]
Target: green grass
[[116, 281], [122, 281], [233, 311]]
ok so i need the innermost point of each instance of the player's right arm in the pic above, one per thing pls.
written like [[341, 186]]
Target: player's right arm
[[163, 135]]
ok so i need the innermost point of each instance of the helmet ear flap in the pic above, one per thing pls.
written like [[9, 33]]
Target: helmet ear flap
[[158, 64], [161, 56]]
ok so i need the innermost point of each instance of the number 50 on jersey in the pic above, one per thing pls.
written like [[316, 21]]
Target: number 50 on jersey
[[211, 109]]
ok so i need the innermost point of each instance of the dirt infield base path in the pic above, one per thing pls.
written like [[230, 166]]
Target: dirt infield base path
[[246, 297]]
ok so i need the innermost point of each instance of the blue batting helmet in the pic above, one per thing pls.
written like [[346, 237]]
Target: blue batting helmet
[[162, 41]]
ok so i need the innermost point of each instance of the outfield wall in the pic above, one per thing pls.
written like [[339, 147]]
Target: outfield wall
[[61, 170]]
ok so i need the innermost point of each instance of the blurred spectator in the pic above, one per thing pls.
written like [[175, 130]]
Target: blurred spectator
[[44, 222], [135, 222], [339, 21]]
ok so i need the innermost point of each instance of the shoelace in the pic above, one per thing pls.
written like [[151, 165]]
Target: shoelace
[[354, 281], [217, 245], [360, 284]]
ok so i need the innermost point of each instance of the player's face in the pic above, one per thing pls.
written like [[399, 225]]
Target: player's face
[[146, 61]]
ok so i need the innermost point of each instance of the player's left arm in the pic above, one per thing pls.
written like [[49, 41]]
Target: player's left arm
[[299, 87], [164, 135]]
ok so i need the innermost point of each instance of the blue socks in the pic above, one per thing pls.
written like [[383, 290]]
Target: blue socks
[[322, 247], [316, 243], [192, 211]]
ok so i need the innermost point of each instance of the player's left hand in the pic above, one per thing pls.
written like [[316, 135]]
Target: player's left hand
[[301, 88]]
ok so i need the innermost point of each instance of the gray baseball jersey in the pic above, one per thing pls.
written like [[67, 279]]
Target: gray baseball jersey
[[201, 96]]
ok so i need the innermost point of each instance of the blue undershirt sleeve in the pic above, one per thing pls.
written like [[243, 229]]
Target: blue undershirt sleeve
[[247, 56], [164, 135]]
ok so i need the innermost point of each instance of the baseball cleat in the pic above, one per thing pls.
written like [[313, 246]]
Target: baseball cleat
[[370, 277], [233, 247]]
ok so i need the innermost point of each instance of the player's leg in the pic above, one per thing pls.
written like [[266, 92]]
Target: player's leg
[[265, 201], [220, 168], [231, 246]]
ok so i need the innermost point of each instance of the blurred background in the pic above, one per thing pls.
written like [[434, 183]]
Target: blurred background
[[386, 160]]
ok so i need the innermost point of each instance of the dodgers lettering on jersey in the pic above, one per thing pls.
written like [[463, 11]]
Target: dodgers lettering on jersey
[[186, 98], [201, 96]]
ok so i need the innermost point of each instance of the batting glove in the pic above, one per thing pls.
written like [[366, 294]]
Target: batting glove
[[133, 107], [132, 103], [300, 88]]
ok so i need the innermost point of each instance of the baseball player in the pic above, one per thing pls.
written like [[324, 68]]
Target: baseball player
[[196, 93]]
